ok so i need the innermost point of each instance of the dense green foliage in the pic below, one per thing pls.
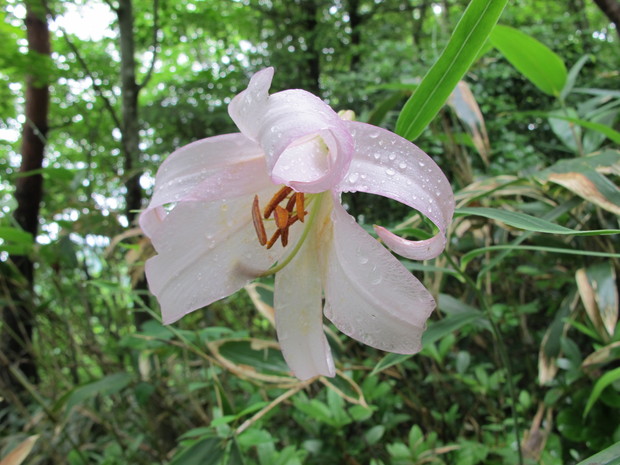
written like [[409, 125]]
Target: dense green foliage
[[523, 351]]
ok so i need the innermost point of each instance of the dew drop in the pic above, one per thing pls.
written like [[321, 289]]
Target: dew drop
[[392, 156], [374, 135], [402, 165], [353, 177], [421, 163], [390, 172]]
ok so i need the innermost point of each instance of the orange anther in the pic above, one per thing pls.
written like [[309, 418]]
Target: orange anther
[[291, 202], [273, 239], [299, 206], [284, 237], [275, 200], [281, 216], [259, 227]]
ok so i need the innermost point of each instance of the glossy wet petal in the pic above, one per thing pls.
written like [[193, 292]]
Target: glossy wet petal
[[307, 146], [206, 251], [299, 317], [216, 168], [388, 165], [369, 294]]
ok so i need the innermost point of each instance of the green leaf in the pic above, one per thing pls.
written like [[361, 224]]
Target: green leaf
[[468, 38], [380, 111], [264, 360], [441, 328], [208, 451], [609, 456], [108, 385], [236, 456], [436, 330], [529, 223], [534, 60], [469, 256], [388, 361], [612, 134], [604, 381], [374, 434], [572, 76], [15, 240]]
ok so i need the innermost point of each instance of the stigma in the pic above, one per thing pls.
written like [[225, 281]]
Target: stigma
[[285, 208]]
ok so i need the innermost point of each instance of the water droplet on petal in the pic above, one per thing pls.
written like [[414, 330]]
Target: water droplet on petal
[[376, 277], [353, 177], [392, 156], [402, 165], [374, 135], [390, 172]]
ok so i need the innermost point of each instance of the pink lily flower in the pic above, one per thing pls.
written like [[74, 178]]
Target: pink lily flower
[[228, 209]]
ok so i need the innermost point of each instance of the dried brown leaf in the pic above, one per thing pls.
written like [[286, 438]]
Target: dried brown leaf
[[19, 454]]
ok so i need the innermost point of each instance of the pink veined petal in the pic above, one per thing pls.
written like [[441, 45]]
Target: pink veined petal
[[216, 168], [369, 294], [306, 144], [206, 251], [388, 165], [299, 317]]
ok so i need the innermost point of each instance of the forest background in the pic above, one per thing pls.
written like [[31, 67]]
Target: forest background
[[521, 359]]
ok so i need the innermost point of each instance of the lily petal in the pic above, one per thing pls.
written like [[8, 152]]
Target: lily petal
[[210, 169], [299, 319], [388, 165], [369, 294], [307, 146], [206, 251]]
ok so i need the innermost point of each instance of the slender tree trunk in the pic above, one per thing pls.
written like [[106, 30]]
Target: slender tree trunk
[[131, 128], [418, 24], [611, 8], [18, 312], [355, 21], [314, 54]]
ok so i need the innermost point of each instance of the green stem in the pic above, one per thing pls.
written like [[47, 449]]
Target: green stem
[[501, 348]]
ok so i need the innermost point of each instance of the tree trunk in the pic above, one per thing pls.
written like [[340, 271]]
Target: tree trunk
[[18, 313], [131, 129], [313, 59], [611, 8], [355, 21], [418, 24]]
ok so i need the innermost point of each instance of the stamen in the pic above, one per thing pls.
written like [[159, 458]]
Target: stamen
[[291, 202], [259, 227], [284, 237], [281, 216], [316, 208], [274, 238], [275, 200], [292, 220], [299, 206]]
